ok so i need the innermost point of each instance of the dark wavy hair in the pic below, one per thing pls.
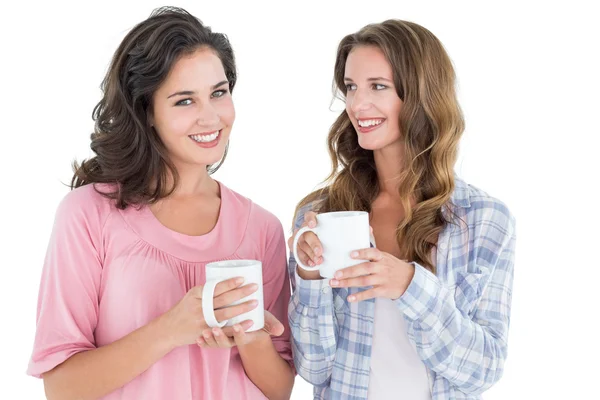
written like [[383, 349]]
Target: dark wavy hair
[[128, 151], [431, 124]]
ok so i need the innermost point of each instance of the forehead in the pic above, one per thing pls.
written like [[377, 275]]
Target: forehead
[[367, 62], [198, 69]]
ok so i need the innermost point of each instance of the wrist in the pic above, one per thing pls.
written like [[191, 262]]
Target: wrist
[[261, 341], [406, 279], [163, 331], [410, 274]]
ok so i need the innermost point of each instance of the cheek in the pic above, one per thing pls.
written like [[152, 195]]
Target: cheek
[[173, 125], [393, 107], [173, 128], [226, 112], [350, 113], [348, 103]]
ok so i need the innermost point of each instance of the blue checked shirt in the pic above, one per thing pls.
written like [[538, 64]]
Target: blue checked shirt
[[458, 319]]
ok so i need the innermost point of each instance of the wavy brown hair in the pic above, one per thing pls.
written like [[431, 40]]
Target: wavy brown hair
[[129, 152], [431, 125]]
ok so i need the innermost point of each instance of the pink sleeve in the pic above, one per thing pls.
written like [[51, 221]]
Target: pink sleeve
[[276, 287], [67, 310]]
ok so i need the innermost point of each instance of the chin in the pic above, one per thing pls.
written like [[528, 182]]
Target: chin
[[368, 144], [208, 161]]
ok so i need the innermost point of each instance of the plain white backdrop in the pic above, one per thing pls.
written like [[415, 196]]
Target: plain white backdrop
[[528, 86]]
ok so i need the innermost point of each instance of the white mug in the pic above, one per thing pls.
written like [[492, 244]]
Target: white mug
[[340, 233], [251, 271]]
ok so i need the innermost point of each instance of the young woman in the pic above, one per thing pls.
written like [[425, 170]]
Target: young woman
[[427, 316], [120, 303]]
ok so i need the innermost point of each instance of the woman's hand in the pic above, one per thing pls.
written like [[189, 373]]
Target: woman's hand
[[237, 336], [310, 250], [388, 276], [185, 321]]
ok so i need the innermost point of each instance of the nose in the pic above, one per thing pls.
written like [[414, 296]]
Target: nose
[[360, 101], [207, 115]]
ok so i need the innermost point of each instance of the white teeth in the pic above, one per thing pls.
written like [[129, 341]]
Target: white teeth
[[369, 122], [205, 138]]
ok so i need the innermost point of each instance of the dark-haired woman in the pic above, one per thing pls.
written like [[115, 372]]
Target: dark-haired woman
[[427, 315], [120, 302]]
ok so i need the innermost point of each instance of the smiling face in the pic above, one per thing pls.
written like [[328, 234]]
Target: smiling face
[[372, 102], [193, 110]]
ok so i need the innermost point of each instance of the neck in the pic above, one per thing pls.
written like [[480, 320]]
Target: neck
[[194, 180], [388, 162]]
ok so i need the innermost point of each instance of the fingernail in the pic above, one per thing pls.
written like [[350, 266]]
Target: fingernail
[[311, 264], [206, 335], [317, 250], [253, 287], [312, 224], [351, 298], [236, 328], [339, 274], [254, 302], [354, 254], [334, 282], [239, 281], [216, 332]]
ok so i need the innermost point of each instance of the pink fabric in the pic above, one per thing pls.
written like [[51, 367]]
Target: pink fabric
[[108, 272]]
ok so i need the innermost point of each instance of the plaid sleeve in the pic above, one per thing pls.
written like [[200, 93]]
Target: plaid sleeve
[[466, 346], [312, 323]]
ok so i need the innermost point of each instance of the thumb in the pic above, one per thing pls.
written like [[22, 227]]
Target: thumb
[[272, 325]]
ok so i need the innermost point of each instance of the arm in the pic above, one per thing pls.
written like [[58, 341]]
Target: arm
[[267, 369], [65, 354], [111, 366], [312, 322], [266, 360], [468, 351]]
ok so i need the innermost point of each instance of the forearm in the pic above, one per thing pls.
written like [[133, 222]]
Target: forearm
[[473, 354], [314, 330], [94, 373], [266, 369]]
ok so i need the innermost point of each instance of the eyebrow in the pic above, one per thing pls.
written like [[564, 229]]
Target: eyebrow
[[191, 92], [379, 78]]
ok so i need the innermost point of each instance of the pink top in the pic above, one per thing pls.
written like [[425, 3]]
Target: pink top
[[108, 272]]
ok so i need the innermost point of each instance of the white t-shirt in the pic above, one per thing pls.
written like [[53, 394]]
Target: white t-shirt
[[397, 372]]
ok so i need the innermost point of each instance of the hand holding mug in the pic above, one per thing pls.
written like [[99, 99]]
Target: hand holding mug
[[339, 234], [185, 321]]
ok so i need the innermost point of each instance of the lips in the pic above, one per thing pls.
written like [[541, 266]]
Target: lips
[[366, 125], [208, 139]]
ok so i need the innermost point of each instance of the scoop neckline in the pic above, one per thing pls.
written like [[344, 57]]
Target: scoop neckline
[[193, 248]]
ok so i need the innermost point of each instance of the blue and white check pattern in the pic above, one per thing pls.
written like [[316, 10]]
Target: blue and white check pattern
[[458, 319]]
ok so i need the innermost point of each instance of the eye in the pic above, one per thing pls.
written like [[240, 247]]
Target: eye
[[378, 86], [184, 102], [219, 93], [350, 87]]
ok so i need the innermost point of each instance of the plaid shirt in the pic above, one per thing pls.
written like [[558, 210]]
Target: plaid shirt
[[458, 319]]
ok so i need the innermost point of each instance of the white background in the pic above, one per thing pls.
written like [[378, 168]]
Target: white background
[[528, 85]]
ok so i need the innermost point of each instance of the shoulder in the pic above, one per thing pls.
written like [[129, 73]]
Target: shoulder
[[86, 203]]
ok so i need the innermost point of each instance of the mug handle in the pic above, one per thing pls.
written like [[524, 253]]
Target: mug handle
[[295, 248], [208, 308]]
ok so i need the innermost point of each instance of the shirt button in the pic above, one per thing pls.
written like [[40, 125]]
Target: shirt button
[[443, 245], [326, 290]]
